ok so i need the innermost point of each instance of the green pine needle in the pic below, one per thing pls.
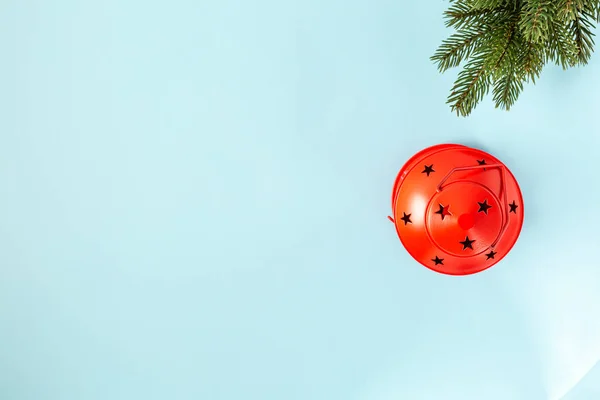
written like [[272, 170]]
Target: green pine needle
[[581, 30], [457, 47], [536, 17], [472, 85], [462, 15], [506, 43], [564, 51]]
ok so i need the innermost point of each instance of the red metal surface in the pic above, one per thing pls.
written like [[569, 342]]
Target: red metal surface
[[457, 210]]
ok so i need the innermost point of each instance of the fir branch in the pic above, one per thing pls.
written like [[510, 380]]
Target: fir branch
[[530, 60], [507, 43], [473, 82], [506, 90], [535, 18], [461, 14], [502, 61], [471, 86], [581, 32], [472, 27], [497, 58], [457, 47], [593, 8], [561, 47], [567, 10]]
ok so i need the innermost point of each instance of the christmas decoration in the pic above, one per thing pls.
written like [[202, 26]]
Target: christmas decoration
[[506, 43], [457, 210]]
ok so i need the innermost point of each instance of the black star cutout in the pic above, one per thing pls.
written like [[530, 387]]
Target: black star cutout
[[406, 218], [484, 207], [467, 244], [443, 211], [438, 260], [513, 207], [481, 162], [428, 169], [491, 254]]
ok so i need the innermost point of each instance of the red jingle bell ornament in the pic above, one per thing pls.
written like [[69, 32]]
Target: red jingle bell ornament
[[457, 210]]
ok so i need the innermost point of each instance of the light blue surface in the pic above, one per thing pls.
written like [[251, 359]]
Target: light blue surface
[[193, 206]]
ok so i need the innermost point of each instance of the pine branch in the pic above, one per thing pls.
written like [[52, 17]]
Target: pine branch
[[567, 10], [581, 32], [561, 47], [519, 57], [473, 82], [530, 60], [471, 86], [593, 7], [502, 61], [461, 14], [507, 43], [472, 26], [506, 90], [535, 19], [457, 47], [504, 38]]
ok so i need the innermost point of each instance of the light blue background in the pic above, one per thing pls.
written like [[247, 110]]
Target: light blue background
[[194, 197]]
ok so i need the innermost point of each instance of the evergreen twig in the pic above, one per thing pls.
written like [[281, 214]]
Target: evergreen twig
[[505, 43]]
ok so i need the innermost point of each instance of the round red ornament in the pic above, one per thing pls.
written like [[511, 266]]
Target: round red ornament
[[457, 210]]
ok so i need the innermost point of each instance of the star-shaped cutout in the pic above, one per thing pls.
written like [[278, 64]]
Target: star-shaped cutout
[[491, 254], [484, 207], [428, 169], [406, 218], [513, 207], [467, 244], [443, 211], [438, 261], [481, 162]]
